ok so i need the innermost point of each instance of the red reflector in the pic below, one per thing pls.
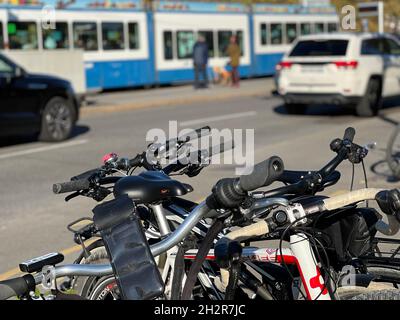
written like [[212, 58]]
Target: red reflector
[[284, 65], [346, 64]]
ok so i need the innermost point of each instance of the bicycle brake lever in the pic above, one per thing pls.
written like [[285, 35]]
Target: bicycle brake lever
[[371, 146], [357, 153], [72, 196]]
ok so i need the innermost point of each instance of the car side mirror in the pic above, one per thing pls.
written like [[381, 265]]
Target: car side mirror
[[19, 72]]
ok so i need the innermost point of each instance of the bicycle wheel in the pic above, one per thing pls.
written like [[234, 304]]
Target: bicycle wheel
[[106, 288], [84, 285], [386, 279], [379, 295], [393, 152]]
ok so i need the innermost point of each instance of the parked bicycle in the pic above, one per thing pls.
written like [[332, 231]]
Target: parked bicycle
[[393, 152], [233, 203]]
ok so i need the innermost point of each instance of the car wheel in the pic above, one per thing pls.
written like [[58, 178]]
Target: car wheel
[[369, 105], [294, 108], [58, 119]]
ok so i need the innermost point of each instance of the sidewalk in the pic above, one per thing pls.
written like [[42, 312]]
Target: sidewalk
[[175, 95]]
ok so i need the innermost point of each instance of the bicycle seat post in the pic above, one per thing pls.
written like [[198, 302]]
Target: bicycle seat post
[[161, 219]]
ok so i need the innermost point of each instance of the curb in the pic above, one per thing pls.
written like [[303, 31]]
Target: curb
[[86, 111]]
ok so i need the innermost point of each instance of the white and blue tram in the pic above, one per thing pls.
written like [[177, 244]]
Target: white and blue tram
[[126, 44]]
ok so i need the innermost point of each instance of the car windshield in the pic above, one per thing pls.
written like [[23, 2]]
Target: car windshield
[[320, 48]]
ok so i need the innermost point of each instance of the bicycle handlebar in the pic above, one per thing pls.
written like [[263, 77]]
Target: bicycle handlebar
[[349, 198], [71, 186], [264, 174], [312, 182], [331, 204], [17, 287], [349, 134], [228, 247], [82, 181], [230, 193], [176, 142]]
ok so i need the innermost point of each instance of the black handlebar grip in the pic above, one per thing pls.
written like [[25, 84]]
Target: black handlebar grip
[[197, 134], [349, 134], [192, 135], [16, 287], [71, 186], [264, 174]]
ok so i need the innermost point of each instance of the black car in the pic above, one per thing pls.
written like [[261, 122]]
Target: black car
[[33, 103]]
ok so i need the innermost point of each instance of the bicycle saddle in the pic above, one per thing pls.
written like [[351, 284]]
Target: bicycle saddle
[[150, 187]]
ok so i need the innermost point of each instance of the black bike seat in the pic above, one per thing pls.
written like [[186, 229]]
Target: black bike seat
[[150, 187]]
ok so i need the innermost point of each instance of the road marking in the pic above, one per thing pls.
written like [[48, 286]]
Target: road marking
[[219, 118], [42, 149], [9, 274]]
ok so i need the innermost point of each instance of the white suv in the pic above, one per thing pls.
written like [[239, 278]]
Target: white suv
[[357, 69]]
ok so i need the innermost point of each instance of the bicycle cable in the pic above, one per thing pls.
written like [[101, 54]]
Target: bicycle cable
[[352, 177], [365, 179], [283, 260]]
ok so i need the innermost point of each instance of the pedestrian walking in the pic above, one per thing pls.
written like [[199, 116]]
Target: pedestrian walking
[[234, 53], [200, 62]]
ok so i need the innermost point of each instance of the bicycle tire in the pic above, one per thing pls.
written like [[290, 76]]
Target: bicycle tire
[[347, 293], [104, 288], [379, 295], [83, 285], [394, 165], [385, 271]]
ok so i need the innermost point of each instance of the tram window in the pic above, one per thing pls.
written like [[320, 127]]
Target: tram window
[[209, 37], [85, 36], [276, 33], [305, 29], [1, 36], [133, 31], [223, 42], [291, 32], [168, 45], [263, 33], [56, 38], [319, 28], [332, 27], [113, 36], [185, 43], [240, 41], [22, 35]]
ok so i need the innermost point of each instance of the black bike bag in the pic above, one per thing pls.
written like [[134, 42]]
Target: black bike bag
[[137, 274]]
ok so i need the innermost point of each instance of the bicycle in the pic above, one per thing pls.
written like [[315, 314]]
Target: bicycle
[[263, 176], [303, 183], [226, 252], [392, 153]]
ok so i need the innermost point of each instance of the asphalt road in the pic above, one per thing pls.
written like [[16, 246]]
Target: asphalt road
[[33, 220]]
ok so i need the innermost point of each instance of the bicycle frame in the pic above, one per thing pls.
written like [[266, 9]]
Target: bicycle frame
[[300, 254]]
